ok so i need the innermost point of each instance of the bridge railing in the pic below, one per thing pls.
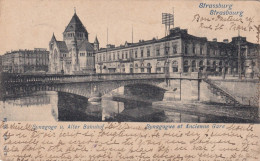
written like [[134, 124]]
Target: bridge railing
[[94, 77]]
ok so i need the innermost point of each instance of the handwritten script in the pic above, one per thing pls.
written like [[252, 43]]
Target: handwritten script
[[231, 23], [128, 141]]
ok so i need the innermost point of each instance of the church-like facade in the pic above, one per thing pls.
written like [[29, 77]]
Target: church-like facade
[[75, 54]]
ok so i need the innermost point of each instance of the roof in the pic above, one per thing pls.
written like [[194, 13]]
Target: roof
[[75, 25], [85, 46], [62, 46], [176, 33]]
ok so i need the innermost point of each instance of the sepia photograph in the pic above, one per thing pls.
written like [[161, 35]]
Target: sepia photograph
[[129, 80], [137, 61]]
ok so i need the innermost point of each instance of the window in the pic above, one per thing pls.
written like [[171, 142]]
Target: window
[[186, 66], [114, 56], [148, 52], [104, 57], [142, 53], [123, 56], [193, 49], [166, 50], [214, 64], [123, 68], [149, 68], [109, 56], [174, 49], [201, 50], [117, 55], [158, 52], [131, 68], [208, 63], [175, 66], [136, 54], [186, 49], [220, 63], [186, 63], [142, 67], [201, 65], [126, 55], [193, 66]]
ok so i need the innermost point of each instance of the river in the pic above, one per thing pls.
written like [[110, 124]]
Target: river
[[61, 106]]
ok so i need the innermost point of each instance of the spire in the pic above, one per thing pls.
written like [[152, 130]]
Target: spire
[[96, 40], [53, 37], [74, 10]]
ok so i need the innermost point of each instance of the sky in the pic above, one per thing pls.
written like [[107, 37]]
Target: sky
[[30, 24]]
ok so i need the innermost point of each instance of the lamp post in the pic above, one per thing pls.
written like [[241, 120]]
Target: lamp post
[[166, 64], [180, 82]]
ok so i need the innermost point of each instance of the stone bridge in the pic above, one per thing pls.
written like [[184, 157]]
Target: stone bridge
[[89, 85], [176, 86]]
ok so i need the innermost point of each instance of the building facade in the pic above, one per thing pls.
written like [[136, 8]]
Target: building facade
[[25, 61], [180, 52], [75, 54]]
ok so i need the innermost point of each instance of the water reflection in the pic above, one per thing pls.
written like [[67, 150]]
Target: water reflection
[[40, 106], [60, 106]]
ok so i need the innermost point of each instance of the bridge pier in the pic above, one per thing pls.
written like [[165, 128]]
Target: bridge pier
[[183, 89]]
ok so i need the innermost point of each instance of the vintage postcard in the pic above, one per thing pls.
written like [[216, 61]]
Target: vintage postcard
[[129, 80]]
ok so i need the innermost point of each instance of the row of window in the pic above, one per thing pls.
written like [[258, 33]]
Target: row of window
[[88, 54], [200, 51], [124, 55], [148, 68], [194, 50], [201, 63], [79, 35]]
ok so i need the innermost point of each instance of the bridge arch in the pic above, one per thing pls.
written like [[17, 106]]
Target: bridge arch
[[86, 89]]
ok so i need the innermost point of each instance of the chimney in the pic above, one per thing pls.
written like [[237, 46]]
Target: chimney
[[225, 40], [214, 39]]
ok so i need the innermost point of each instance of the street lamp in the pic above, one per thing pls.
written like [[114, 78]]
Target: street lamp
[[166, 64], [180, 82]]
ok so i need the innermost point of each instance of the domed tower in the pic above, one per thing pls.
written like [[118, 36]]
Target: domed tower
[[96, 44], [75, 29]]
